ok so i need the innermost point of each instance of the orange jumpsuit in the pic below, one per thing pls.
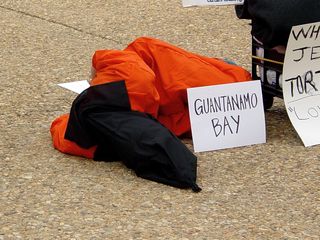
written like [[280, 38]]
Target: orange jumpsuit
[[157, 76]]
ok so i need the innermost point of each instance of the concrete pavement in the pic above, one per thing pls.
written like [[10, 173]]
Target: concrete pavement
[[268, 191]]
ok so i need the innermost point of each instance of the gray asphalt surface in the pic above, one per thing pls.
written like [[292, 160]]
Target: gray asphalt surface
[[268, 191]]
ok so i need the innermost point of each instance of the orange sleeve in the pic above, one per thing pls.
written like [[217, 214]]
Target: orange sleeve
[[58, 129], [176, 70], [117, 65]]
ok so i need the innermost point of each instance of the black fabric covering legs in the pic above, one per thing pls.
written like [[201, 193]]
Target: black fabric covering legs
[[102, 116]]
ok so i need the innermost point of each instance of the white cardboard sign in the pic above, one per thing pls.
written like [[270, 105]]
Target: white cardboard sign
[[189, 3], [226, 116], [301, 81]]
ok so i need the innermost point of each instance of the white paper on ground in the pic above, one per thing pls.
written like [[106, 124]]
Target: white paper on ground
[[190, 3], [76, 86]]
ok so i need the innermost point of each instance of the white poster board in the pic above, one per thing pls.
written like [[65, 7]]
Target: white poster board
[[226, 116], [189, 3], [301, 81]]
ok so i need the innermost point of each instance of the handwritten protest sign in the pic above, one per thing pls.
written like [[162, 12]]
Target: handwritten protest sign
[[189, 3], [227, 115], [301, 81]]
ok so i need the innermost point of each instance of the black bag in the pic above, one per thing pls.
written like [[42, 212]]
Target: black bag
[[272, 20]]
